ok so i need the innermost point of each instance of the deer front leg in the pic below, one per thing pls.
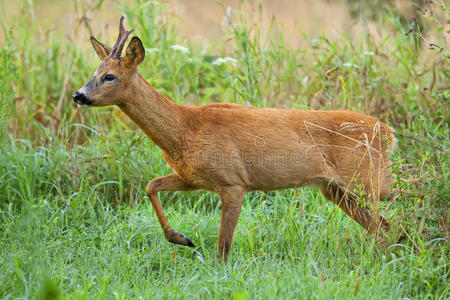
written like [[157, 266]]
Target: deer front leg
[[172, 182], [232, 198]]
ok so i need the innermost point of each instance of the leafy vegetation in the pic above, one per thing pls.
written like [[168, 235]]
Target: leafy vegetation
[[74, 218]]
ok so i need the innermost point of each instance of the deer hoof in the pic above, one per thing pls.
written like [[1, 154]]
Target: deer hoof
[[188, 241]]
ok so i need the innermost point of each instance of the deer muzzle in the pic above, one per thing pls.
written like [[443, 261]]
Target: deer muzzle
[[81, 99]]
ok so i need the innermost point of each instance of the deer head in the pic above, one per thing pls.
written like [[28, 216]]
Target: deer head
[[115, 79]]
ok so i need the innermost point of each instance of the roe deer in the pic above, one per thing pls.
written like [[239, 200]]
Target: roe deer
[[231, 149]]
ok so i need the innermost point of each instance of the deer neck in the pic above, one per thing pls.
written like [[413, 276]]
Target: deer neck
[[159, 118]]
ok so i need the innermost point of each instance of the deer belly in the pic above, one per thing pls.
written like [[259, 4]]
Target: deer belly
[[281, 170]]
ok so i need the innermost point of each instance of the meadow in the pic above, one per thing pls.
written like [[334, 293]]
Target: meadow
[[75, 222]]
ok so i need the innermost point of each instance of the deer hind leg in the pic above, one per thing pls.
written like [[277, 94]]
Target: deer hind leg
[[386, 189], [352, 208], [172, 182], [232, 198]]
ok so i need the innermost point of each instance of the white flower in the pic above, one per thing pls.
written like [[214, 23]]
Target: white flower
[[223, 60], [368, 53], [226, 21], [305, 81], [229, 12], [180, 48], [151, 50], [350, 65]]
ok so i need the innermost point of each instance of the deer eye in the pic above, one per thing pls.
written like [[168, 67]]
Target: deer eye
[[109, 77]]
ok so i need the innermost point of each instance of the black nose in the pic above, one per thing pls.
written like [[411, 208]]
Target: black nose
[[76, 96], [80, 98]]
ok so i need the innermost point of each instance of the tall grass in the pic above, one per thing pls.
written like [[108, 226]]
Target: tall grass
[[8, 74], [75, 221]]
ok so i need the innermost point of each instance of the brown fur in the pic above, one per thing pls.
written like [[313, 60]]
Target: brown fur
[[231, 149]]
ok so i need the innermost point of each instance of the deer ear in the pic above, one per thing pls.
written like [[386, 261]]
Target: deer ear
[[102, 50], [135, 52]]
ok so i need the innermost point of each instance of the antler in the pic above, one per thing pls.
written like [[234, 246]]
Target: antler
[[121, 39]]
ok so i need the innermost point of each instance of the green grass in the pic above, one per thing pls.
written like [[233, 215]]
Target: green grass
[[74, 218]]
